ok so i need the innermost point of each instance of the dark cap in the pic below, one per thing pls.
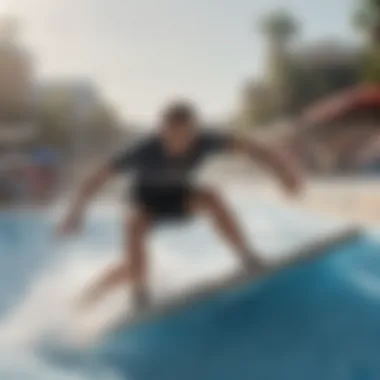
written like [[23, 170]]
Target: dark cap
[[180, 112]]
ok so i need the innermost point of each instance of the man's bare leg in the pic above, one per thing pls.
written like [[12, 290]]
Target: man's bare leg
[[225, 223], [133, 267]]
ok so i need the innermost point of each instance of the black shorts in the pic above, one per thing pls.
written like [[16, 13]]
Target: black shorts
[[164, 203]]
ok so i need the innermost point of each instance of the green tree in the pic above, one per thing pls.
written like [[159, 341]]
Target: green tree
[[367, 21], [280, 28], [105, 129], [54, 120], [256, 106]]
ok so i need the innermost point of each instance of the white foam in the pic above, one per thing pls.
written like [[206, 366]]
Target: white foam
[[49, 307]]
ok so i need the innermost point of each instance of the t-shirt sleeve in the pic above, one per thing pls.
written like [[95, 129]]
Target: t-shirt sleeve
[[216, 142], [128, 159]]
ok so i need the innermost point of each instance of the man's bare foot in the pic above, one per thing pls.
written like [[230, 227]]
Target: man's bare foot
[[86, 299], [141, 300], [253, 265]]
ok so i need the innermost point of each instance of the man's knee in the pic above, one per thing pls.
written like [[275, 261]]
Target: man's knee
[[122, 270], [210, 200], [128, 270], [138, 225]]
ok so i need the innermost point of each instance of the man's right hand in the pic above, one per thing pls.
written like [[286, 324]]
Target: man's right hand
[[73, 221]]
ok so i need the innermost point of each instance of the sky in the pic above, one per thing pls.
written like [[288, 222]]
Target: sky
[[143, 53]]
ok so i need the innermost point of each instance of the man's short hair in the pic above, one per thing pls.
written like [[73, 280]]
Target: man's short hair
[[179, 113]]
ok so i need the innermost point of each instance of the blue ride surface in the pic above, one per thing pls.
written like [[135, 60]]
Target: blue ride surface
[[317, 321]]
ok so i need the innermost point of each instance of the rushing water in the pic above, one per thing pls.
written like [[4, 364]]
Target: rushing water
[[318, 321]]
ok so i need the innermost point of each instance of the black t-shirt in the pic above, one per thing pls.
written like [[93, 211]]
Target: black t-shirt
[[153, 166]]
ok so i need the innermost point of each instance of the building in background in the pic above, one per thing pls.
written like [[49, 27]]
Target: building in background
[[46, 126], [323, 69], [66, 112], [16, 73], [18, 128], [76, 119], [296, 74]]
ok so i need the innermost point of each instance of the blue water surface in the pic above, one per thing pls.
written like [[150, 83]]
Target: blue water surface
[[314, 321]]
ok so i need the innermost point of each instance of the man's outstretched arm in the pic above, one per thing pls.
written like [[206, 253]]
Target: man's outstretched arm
[[122, 162], [86, 192], [281, 166]]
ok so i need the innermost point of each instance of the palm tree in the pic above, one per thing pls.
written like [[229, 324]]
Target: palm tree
[[367, 20], [280, 27]]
